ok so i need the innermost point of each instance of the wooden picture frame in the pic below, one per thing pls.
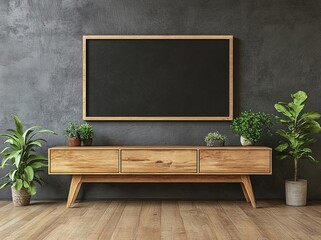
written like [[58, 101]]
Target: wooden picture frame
[[158, 118]]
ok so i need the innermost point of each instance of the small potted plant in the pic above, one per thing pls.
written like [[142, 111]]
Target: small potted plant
[[86, 134], [72, 133], [215, 139], [24, 162], [296, 142], [252, 126]]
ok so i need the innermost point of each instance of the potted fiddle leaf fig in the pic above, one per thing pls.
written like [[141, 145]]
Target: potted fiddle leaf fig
[[215, 139], [296, 141], [86, 134], [72, 134], [23, 161], [251, 126]]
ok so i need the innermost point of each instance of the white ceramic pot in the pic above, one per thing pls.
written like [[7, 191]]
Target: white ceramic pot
[[246, 142], [296, 192]]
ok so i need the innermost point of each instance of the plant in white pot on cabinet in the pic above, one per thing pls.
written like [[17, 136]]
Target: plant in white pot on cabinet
[[296, 142], [23, 162], [252, 126]]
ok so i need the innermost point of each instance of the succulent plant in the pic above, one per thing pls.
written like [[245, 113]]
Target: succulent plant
[[86, 131], [72, 130]]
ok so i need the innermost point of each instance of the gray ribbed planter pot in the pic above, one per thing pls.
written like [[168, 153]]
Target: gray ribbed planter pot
[[20, 197], [215, 143], [87, 142], [296, 192]]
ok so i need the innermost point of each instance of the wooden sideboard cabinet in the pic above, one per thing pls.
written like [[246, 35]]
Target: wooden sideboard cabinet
[[160, 164]]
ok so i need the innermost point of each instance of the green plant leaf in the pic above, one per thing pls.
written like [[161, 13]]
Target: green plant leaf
[[29, 172], [18, 184], [28, 132], [299, 97], [282, 133], [13, 131], [36, 143], [5, 176], [284, 120], [282, 147], [308, 142], [4, 161], [32, 189], [282, 157], [33, 158], [4, 185], [14, 138], [39, 139], [13, 144], [282, 109], [12, 174], [36, 165], [312, 159], [18, 123], [17, 158], [26, 184], [5, 149], [295, 109], [312, 127], [311, 115], [307, 150], [47, 131]]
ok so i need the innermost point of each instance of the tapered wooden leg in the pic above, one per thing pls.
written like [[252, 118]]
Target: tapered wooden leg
[[74, 189], [248, 188], [247, 199]]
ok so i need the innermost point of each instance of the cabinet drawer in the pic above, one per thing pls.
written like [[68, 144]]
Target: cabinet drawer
[[83, 161], [236, 161], [158, 161]]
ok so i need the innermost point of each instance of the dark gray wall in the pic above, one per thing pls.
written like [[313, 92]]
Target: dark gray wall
[[277, 52]]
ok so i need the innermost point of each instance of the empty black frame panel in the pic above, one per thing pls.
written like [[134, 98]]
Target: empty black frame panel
[[158, 78]]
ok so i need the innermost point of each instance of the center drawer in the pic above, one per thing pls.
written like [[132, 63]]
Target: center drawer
[[158, 161]]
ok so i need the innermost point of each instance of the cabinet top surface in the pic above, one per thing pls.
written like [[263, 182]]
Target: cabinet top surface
[[165, 147]]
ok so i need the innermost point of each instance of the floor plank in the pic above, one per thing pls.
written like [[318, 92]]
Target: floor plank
[[149, 221], [243, 223], [159, 220], [172, 225], [128, 222], [196, 222]]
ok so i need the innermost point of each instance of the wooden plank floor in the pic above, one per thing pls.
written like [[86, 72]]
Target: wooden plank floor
[[125, 220]]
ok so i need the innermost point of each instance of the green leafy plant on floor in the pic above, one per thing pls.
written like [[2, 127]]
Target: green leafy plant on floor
[[22, 158], [86, 131], [299, 127], [252, 125]]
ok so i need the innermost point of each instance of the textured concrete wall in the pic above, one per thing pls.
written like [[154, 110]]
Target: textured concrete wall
[[277, 52]]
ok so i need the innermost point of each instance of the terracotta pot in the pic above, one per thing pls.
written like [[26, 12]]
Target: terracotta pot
[[87, 142], [20, 197], [246, 142], [74, 141], [296, 192]]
